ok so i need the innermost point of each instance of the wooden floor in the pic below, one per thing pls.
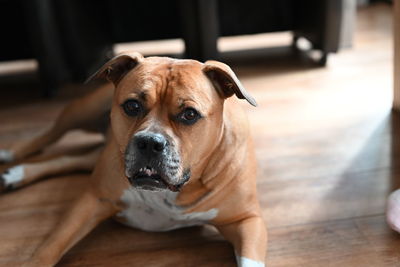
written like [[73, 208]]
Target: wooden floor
[[329, 154]]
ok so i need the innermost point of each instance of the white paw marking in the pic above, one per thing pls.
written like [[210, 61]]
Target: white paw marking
[[13, 175], [157, 211], [6, 155], [393, 210], [246, 262]]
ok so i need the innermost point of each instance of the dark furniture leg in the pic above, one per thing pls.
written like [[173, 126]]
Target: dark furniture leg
[[86, 37], [200, 28], [45, 41], [331, 32]]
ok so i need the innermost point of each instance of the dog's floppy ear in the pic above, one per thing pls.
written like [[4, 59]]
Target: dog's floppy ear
[[225, 80], [115, 69]]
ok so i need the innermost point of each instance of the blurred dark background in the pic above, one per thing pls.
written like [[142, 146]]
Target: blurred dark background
[[70, 39]]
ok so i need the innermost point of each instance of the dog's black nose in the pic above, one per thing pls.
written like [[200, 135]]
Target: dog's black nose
[[150, 143]]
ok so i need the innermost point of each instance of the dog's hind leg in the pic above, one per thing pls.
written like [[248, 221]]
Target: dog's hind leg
[[84, 113], [26, 173]]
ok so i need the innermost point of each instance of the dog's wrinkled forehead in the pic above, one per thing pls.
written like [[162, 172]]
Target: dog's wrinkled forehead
[[168, 81]]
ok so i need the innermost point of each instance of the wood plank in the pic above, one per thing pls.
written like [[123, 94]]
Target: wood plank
[[353, 242], [326, 198]]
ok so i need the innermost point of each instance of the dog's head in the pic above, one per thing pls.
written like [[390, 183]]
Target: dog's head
[[167, 115]]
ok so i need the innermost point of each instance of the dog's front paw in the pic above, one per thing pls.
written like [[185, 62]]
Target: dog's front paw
[[11, 178], [393, 211], [6, 156]]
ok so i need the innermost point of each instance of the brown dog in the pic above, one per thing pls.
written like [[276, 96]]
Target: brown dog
[[177, 153]]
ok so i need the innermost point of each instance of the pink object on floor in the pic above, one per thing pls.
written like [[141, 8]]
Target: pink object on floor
[[393, 211]]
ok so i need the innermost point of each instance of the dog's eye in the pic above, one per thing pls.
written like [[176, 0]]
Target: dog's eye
[[189, 116], [132, 107]]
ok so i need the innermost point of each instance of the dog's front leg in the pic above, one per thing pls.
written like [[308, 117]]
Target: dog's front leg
[[84, 215], [249, 238]]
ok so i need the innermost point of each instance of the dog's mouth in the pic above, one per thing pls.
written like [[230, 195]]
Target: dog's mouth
[[147, 178]]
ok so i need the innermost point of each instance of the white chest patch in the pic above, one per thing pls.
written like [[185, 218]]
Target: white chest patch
[[156, 211]]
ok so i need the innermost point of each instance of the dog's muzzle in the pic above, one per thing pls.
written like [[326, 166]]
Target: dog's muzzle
[[152, 164]]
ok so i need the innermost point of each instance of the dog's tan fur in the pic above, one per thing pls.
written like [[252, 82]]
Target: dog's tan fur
[[218, 149]]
